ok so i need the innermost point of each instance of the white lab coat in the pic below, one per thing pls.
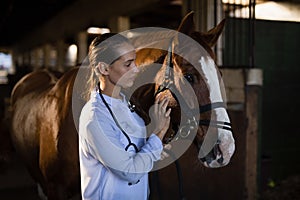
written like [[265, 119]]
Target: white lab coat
[[107, 170]]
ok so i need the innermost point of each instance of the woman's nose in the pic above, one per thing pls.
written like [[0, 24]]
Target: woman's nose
[[135, 68]]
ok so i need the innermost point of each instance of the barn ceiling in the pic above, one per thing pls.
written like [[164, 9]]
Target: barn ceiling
[[18, 18]]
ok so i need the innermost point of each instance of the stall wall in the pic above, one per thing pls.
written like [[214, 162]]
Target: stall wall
[[277, 52]]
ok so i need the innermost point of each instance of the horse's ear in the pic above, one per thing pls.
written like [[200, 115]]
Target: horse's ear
[[187, 25], [212, 36]]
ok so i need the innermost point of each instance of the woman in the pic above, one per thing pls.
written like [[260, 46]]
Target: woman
[[115, 152]]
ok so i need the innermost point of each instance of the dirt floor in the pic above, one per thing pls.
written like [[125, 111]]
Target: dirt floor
[[288, 189], [15, 182]]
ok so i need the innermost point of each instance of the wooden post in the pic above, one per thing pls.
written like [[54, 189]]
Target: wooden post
[[119, 24], [82, 39], [46, 53], [61, 55], [253, 87]]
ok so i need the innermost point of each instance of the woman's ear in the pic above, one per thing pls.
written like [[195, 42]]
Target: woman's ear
[[101, 69]]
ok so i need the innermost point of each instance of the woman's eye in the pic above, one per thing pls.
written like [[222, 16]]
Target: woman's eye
[[128, 64], [189, 78]]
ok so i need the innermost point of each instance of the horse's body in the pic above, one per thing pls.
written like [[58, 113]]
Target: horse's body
[[44, 133]]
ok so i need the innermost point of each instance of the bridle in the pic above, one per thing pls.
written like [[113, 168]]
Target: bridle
[[192, 123]]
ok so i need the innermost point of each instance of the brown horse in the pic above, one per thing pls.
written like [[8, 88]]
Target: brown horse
[[44, 133], [190, 78]]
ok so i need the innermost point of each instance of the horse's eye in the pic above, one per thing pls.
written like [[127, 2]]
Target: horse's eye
[[189, 78]]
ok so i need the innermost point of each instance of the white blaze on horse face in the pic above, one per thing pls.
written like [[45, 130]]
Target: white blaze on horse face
[[227, 145]]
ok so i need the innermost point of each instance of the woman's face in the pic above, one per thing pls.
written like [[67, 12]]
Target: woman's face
[[123, 71]]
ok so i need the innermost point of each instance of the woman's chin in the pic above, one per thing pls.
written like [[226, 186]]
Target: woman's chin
[[127, 84]]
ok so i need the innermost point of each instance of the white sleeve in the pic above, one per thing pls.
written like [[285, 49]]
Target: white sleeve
[[105, 146]]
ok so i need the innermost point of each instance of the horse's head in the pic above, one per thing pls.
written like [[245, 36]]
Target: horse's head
[[191, 79]]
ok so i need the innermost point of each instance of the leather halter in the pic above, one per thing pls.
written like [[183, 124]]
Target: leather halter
[[191, 124]]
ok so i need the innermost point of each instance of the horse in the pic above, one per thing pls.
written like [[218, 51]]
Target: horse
[[44, 131], [204, 100]]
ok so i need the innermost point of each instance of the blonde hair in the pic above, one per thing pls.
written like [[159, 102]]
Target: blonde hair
[[102, 49]]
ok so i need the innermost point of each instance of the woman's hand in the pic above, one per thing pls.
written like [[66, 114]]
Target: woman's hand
[[160, 117]]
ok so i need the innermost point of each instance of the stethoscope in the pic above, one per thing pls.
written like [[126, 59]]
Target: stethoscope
[[131, 107]]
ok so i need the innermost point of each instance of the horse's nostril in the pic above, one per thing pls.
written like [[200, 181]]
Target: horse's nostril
[[208, 159], [218, 153], [220, 160]]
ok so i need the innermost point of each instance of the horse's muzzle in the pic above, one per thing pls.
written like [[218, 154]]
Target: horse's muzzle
[[214, 158]]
